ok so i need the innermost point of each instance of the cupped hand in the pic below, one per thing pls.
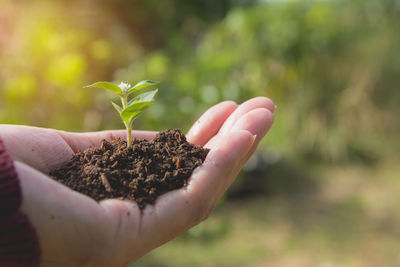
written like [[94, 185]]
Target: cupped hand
[[75, 230]]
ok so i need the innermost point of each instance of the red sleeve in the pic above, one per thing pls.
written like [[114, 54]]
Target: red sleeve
[[19, 244]]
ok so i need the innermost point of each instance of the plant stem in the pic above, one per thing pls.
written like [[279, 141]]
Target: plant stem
[[129, 134], [124, 101]]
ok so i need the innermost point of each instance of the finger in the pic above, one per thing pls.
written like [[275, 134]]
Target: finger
[[254, 103], [177, 211], [221, 165], [210, 122], [82, 141], [257, 122]]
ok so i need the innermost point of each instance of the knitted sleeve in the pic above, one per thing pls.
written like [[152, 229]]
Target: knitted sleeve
[[19, 245]]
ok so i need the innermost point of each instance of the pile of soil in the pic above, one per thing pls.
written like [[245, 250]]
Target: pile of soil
[[140, 173]]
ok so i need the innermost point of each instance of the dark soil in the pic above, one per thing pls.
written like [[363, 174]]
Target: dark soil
[[140, 173]]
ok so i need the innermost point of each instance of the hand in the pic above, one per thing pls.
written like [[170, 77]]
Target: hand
[[75, 230]]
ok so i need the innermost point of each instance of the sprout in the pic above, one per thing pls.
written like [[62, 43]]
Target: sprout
[[130, 109]]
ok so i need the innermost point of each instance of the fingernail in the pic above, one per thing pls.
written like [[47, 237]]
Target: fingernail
[[254, 139]]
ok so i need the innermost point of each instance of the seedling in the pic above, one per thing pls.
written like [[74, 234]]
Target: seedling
[[129, 109]]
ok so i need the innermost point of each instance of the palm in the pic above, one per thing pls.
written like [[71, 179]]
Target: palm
[[116, 231]]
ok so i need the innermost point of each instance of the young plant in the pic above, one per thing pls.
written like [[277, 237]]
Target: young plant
[[129, 109]]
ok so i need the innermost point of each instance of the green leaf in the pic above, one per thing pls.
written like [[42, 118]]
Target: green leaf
[[132, 116], [145, 97], [132, 111], [118, 108], [141, 85], [107, 85]]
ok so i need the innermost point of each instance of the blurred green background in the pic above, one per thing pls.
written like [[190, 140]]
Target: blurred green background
[[322, 190]]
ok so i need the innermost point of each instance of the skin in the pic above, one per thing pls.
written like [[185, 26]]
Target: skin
[[75, 230]]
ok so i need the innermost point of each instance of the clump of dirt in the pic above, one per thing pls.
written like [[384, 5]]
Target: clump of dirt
[[140, 173]]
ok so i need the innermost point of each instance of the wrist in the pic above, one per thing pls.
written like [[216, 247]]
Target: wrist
[[19, 245]]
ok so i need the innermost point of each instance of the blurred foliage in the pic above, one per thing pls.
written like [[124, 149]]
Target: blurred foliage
[[328, 65], [352, 220], [331, 66]]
